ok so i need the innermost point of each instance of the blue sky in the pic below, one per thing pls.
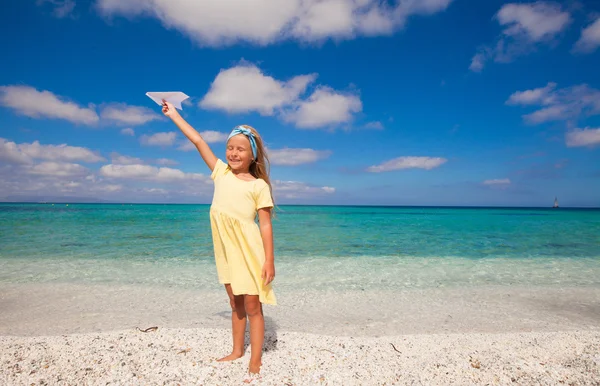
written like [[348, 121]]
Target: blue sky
[[437, 102]]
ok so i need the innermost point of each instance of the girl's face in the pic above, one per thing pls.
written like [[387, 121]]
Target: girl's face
[[239, 153]]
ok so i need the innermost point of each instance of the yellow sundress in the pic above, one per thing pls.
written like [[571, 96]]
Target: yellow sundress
[[238, 245]]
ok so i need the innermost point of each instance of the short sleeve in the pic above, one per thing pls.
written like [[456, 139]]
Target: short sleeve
[[219, 169], [263, 196]]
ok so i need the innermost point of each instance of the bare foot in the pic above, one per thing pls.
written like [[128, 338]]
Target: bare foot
[[253, 373], [230, 357], [254, 368]]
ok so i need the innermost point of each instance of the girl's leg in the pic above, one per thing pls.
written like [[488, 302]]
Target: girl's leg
[[257, 331], [238, 324]]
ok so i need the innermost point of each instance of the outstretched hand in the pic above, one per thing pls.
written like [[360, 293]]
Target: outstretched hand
[[268, 272], [168, 109]]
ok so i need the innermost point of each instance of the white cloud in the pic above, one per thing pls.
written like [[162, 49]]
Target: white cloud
[[128, 131], [375, 125], [583, 137], [24, 179], [119, 159], [166, 162], [324, 107], [159, 139], [61, 169], [292, 157], [245, 88], [11, 153], [129, 115], [590, 38], [296, 189], [59, 152], [262, 22], [478, 61], [25, 152], [62, 8], [427, 163], [526, 26], [186, 146], [542, 95], [30, 102], [150, 173], [558, 104], [535, 21], [552, 113], [211, 136]]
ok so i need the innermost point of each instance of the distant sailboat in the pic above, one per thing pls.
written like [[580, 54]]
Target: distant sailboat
[[555, 203]]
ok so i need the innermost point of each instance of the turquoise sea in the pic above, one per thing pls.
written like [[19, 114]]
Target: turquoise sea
[[317, 247]]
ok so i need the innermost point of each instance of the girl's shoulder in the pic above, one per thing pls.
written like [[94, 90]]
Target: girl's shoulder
[[260, 182]]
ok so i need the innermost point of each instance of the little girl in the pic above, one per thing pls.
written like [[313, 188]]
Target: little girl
[[243, 250]]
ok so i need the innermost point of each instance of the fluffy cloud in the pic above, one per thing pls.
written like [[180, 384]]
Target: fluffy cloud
[[25, 153], [60, 152], [583, 137], [558, 104], [324, 107], [526, 26], [121, 113], [37, 172], [590, 38], [30, 102], [296, 189], [186, 146], [119, 159], [213, 136], [166, 162], [542, 95], [11, 153], [209, 136], [262, 22], [60, 169], [245, 88], [128, 131], [149, 173], [427, 163], [292, 157], [159, 139]]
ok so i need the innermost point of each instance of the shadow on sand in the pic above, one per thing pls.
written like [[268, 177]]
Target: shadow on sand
[[271, 328]]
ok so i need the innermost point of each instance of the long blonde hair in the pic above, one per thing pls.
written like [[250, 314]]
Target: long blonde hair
[[261, 166]]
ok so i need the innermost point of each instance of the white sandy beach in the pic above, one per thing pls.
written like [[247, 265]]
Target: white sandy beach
[[87, 334], [178, 356]]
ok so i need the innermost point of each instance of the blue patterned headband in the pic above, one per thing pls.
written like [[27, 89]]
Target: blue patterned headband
[[242, 130]]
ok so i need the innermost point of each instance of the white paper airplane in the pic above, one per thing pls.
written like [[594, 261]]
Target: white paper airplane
[[174, 97]]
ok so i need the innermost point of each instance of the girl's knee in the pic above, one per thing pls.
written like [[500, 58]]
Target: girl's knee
[[252, 305], [236, 302]]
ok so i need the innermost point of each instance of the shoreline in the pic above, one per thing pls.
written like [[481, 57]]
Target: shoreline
[[67, 333], [187, 356], [67, 308]]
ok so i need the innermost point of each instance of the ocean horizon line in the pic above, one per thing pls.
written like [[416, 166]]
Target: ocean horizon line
[[311, 205]]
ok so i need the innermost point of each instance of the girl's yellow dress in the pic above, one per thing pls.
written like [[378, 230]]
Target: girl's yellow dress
[[238, 245]]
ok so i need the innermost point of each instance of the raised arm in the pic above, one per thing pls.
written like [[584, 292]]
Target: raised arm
[[207, 155]]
